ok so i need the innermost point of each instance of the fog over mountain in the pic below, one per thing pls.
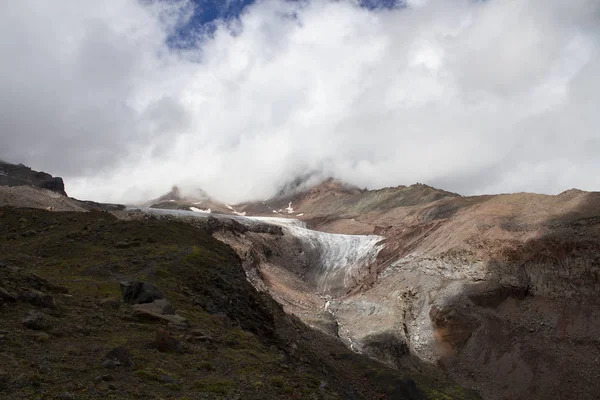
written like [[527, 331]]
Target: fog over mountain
[[471, 96]]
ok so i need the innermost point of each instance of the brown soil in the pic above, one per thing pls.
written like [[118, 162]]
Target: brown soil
[[500, 291]]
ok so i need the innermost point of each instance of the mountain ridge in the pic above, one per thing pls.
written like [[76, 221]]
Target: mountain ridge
[[491, 291]]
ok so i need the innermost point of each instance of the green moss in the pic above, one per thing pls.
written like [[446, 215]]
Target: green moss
[[206, 366], [215, 385], [277, 381], [172, 386], [257, 385], [147, 375]]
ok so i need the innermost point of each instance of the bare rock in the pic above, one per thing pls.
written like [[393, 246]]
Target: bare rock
[[126, 244], [7, 296], [42, 337], [119, 357], [111, 303], [164, 378], [110, 364], [161, 306], [21, 175], [36, 320], [453, 326], [164, 342], [139, 292], [158, 311], [267, 228], [104, 378], [38, 299]]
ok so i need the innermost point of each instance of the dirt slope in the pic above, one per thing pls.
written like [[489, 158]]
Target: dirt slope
[[26, 196], [502, 292]]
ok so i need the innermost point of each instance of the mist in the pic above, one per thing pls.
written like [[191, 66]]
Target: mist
[[469, 96]]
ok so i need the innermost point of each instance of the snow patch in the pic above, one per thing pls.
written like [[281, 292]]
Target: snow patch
[[299, 215], [289, 208], [241, 214], [341, 260], [207, 211]]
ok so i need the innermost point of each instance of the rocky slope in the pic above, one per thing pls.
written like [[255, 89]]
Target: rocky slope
[[337, 207], [28, 196], [20, 186], [94, 306], [501, 292]]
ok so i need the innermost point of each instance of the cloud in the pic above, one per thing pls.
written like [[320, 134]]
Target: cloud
[[470, 96]]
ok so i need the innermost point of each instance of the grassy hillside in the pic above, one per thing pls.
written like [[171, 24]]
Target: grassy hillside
[[61, 314]]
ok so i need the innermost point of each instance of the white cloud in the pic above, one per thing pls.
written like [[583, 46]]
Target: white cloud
[[474, 97]]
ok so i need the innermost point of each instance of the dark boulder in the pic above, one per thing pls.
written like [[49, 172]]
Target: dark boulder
[[164, 342], [38, 299], [36, 320], [139, 292], [111, 303], [267, 228], [118, 357], [6, 296], [213, 224]]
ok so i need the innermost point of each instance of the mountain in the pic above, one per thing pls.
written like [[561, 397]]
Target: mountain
[[20, 186], [501, 291], [198, 201], [126, 304], [401, 292], [20, 175], [336, 206]]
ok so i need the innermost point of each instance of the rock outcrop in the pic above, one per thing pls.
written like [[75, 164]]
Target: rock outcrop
[[21, 175], [139, 292]]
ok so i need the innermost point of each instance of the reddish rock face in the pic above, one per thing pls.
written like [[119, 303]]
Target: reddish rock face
[[452, 329]]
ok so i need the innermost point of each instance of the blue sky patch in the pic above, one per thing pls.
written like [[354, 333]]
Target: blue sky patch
[[208, 12]]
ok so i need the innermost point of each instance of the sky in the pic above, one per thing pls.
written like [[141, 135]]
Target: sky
[[126, 98]]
